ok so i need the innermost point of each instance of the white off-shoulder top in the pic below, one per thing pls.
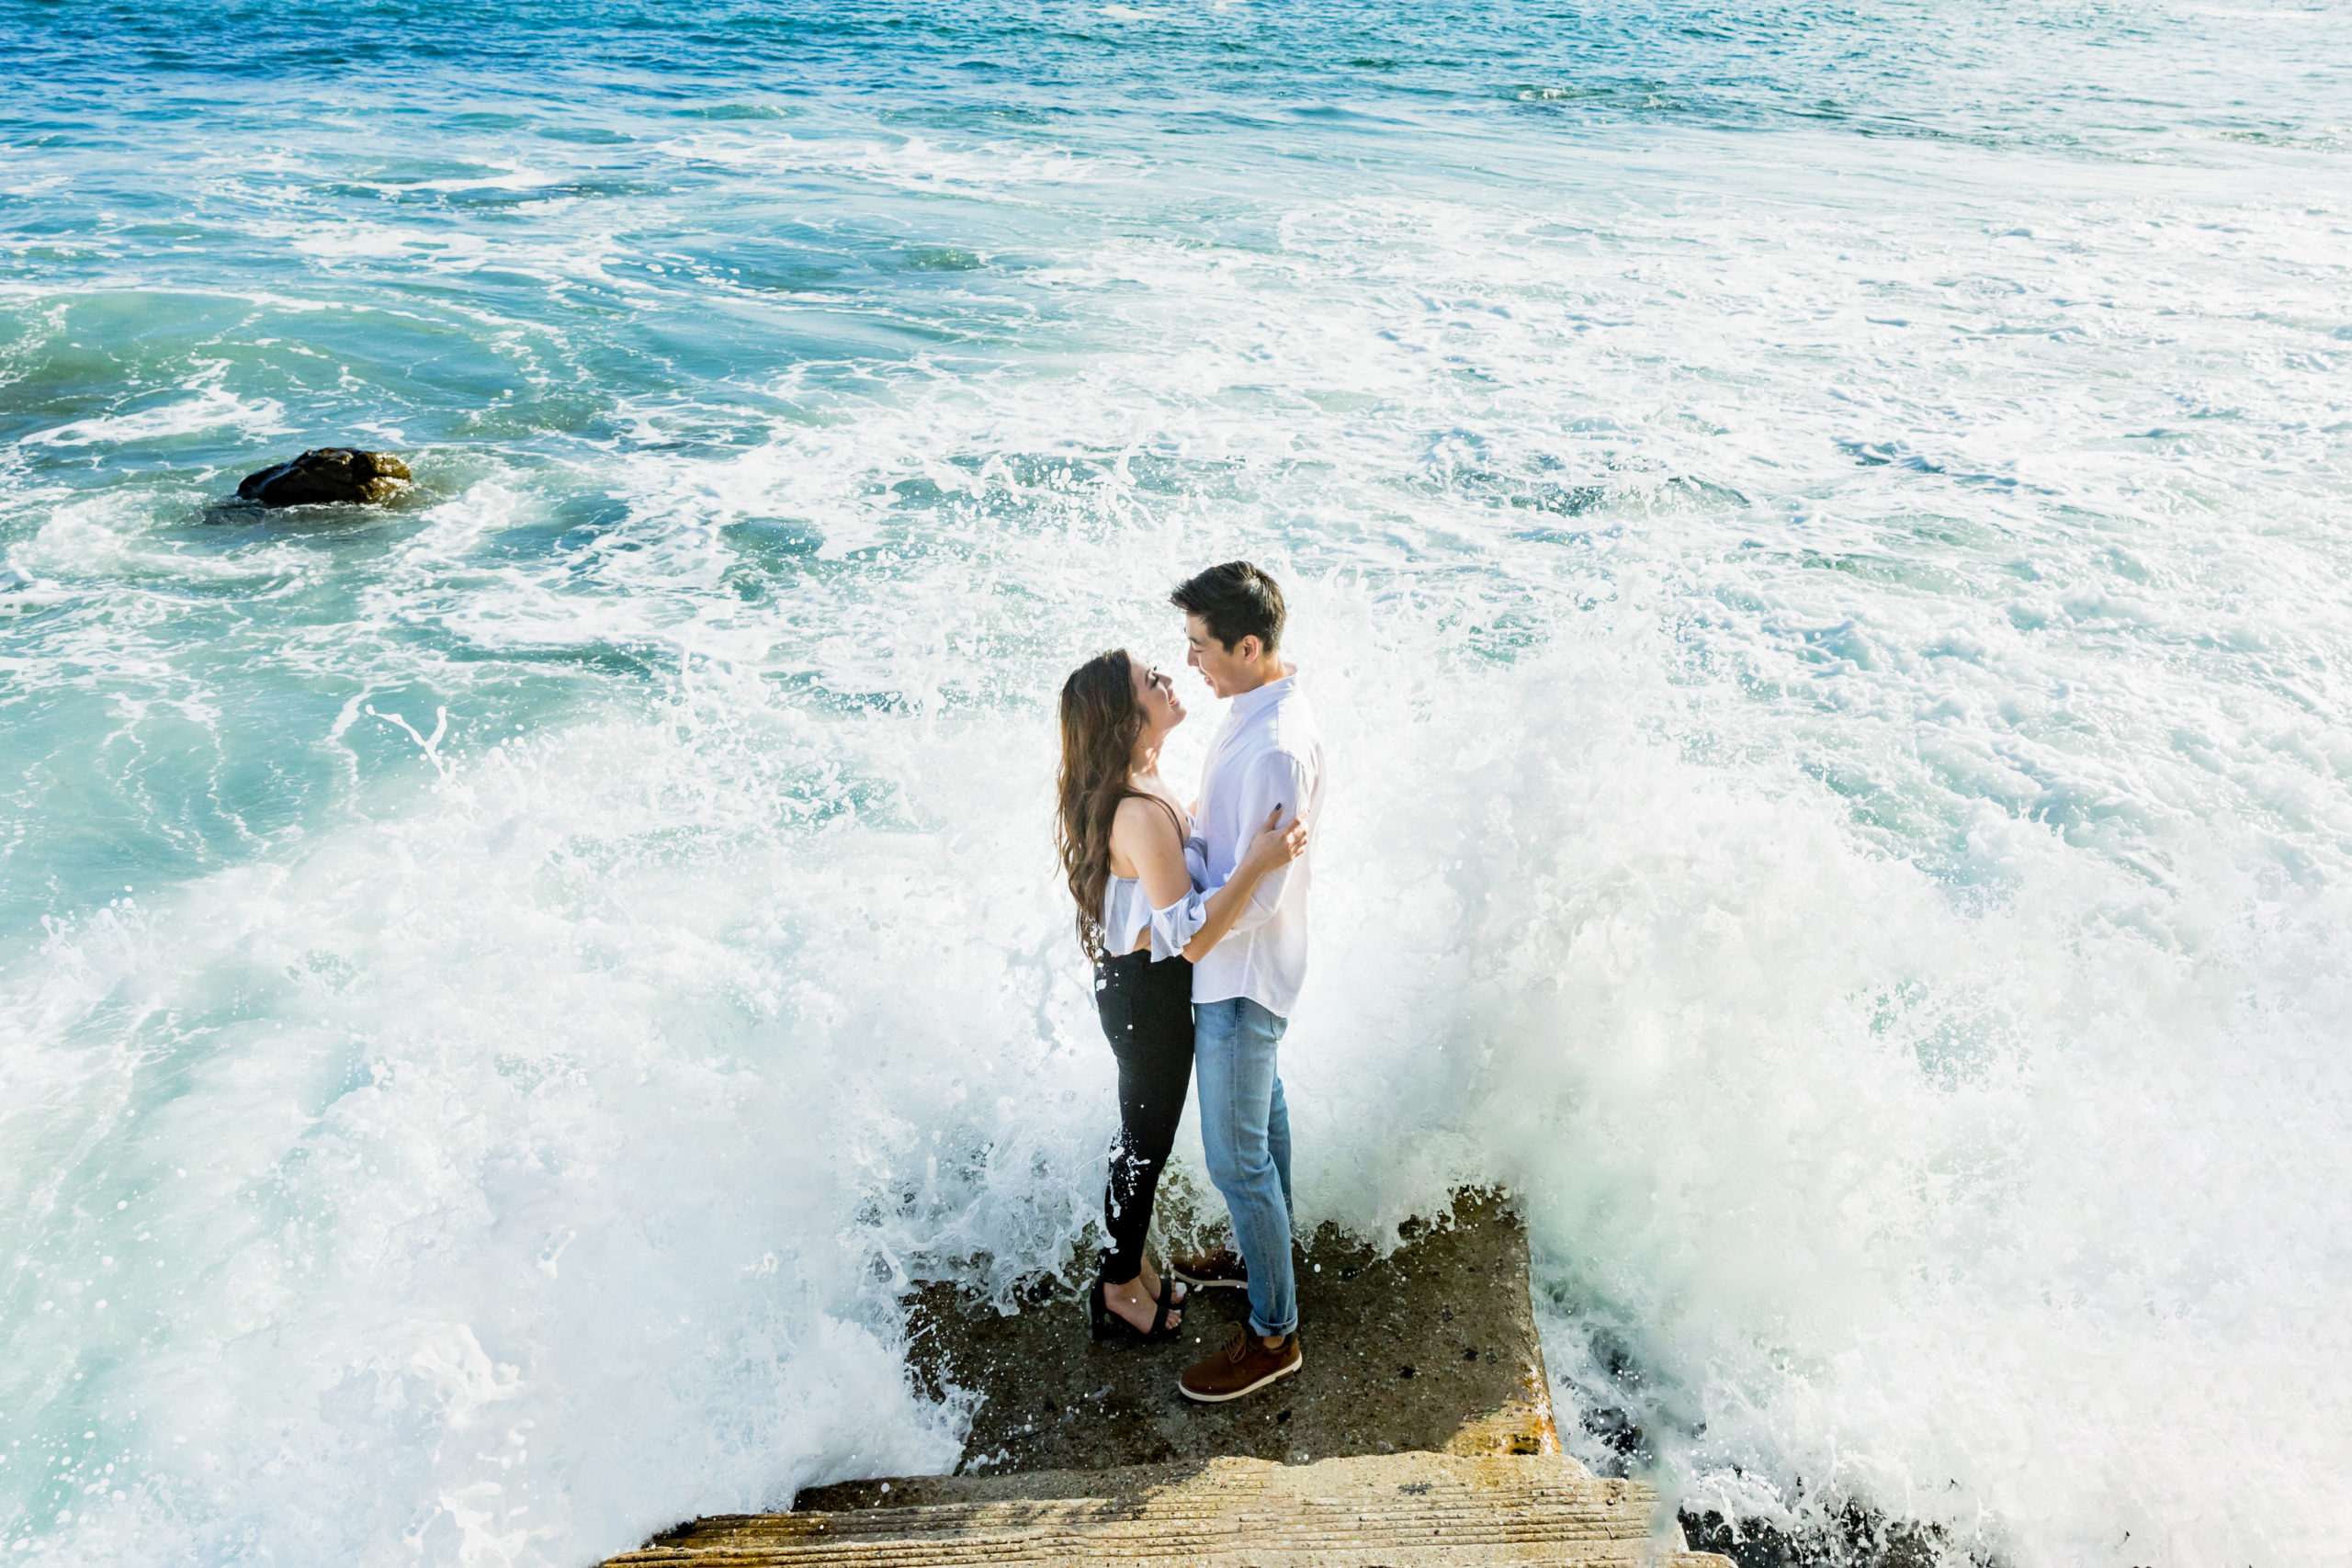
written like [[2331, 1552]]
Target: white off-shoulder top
[[1127, 911]]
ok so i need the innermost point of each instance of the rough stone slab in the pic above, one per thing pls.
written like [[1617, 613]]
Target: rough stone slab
[[1410, 1510], [1431, 1348]]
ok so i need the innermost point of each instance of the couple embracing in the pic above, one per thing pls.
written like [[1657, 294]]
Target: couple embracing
[[1196, 920]]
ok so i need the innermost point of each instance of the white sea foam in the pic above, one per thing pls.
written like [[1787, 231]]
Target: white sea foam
[[565, 1131], [374, 240], [1840, 805], [999, 171], [209, 409]]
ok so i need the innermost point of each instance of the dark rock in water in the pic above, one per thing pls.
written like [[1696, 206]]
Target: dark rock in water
[[1855, 1537], [327, 474]]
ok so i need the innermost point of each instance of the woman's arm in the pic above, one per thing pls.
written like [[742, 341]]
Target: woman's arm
[[1159, 857]]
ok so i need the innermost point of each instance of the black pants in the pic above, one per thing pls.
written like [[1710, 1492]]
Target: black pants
[[1146, 1011]]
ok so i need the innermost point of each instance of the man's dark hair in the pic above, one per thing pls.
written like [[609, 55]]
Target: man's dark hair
[[1234, 601]]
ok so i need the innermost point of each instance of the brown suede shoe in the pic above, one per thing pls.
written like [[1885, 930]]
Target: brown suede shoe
[[1243, 1366], [1224, 1266]]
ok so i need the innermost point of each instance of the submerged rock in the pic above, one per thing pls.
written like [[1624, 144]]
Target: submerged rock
[[327, 474]]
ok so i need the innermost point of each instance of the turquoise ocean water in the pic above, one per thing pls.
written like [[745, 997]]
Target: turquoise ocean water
[[1819, 539]]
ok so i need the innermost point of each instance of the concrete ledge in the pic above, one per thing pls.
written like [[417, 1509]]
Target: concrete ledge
[[1431, 1348], [1415, 1510]]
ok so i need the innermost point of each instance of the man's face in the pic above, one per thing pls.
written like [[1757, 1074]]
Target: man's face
[[1227, 670]]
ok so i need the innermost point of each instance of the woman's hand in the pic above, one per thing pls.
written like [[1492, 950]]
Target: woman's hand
[[1275, 846]]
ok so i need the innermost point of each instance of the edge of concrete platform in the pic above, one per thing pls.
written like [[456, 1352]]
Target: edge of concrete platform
[[1405, 1510]]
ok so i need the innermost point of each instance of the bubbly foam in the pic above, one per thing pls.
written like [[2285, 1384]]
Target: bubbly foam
[[1824, 643]]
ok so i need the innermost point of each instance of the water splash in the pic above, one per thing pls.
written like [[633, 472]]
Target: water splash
[[1822, 586]]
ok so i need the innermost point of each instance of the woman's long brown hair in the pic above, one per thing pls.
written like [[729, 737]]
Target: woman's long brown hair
[[1100, 720]]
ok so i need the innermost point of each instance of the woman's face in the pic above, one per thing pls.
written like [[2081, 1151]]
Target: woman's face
[[1156, 694]]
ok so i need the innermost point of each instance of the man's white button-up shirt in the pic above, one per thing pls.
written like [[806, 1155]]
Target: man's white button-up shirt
[[1265, 754]]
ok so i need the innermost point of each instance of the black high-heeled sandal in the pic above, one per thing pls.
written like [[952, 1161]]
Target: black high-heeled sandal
[[1102, 1324]]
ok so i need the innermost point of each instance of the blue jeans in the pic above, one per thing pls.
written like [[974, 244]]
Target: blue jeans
[[1245, 1132]]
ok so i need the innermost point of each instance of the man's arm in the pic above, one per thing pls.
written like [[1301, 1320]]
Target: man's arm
[[1278, 779]]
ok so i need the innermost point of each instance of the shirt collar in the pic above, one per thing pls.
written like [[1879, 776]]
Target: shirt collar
[[1265, 696]]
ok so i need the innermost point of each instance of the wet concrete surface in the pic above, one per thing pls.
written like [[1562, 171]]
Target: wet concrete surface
[[1430, 1348]]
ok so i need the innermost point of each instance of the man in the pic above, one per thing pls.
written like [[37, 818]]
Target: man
[[1265, 755]]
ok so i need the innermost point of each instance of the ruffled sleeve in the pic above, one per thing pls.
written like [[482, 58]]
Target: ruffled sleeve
[[1173, 927]]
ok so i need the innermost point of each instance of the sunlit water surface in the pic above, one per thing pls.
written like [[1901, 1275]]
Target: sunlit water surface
[[1818, 540]]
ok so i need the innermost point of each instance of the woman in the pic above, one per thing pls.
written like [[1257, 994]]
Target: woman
[[1122, 838]]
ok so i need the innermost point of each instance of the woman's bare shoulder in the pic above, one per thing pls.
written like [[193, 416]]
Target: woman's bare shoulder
[[1147, 819]]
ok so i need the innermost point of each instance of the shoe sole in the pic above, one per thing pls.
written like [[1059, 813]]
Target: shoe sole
[[1221, 1398]]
